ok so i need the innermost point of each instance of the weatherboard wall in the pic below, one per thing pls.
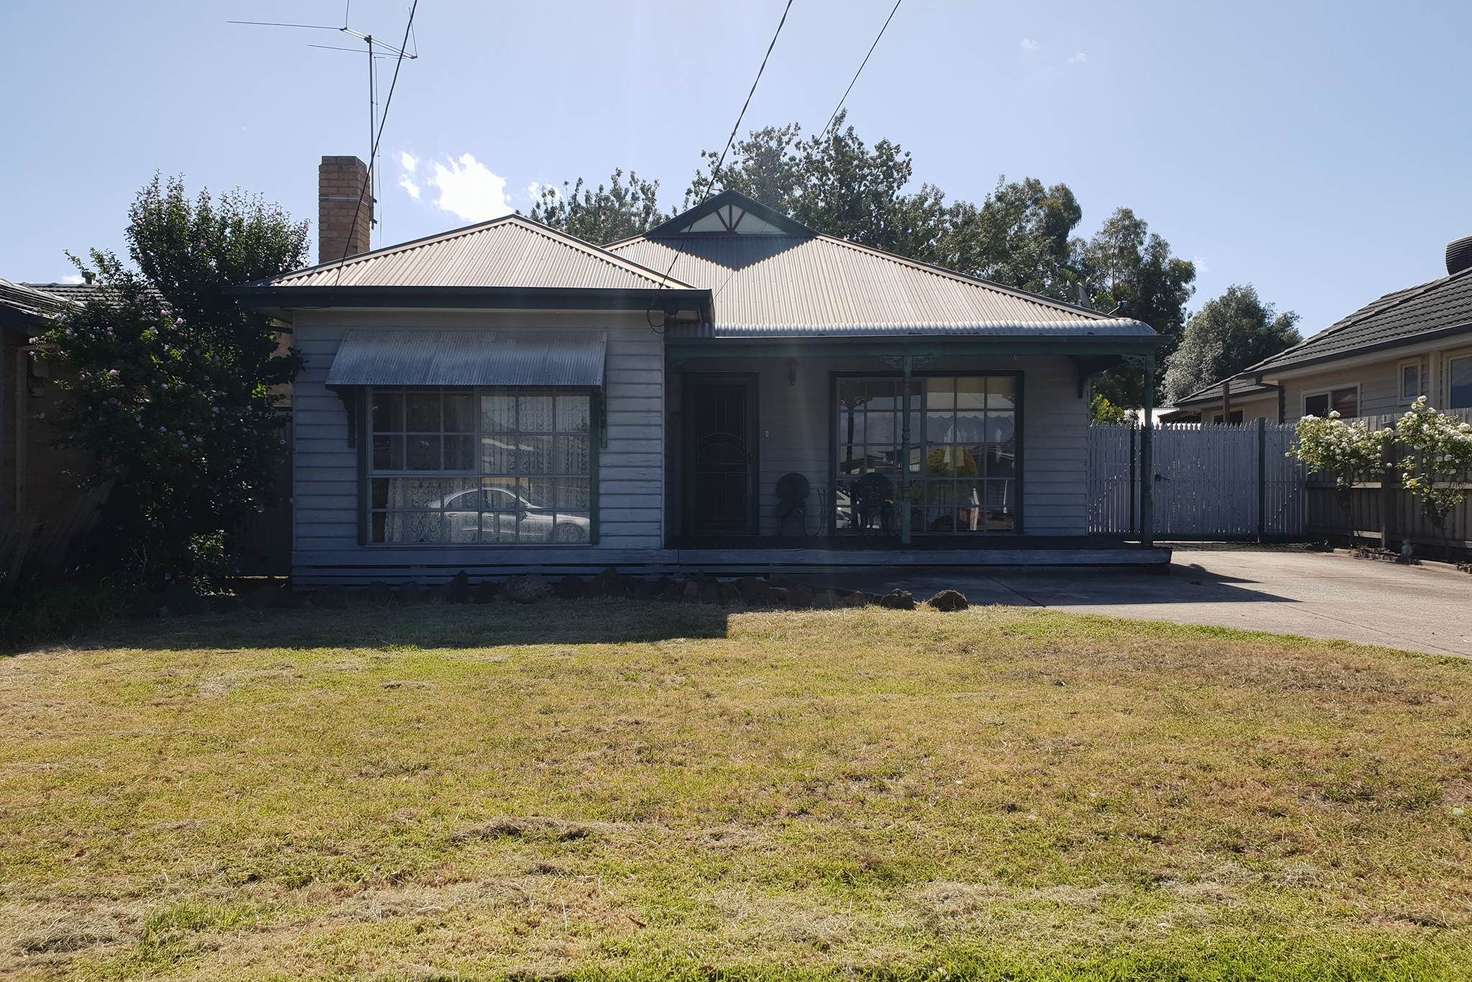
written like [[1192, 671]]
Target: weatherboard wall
[[325, 530]]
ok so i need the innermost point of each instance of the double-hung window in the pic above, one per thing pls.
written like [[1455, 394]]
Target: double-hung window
[[479, 467], [1345, 401], [1459, 382]]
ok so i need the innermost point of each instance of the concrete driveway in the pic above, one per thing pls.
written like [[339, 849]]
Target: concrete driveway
[[1285, 591]]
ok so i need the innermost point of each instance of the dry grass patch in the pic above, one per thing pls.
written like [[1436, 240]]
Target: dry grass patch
[[608, 789]]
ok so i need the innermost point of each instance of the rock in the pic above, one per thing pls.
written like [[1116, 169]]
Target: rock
[[824, 599], [755, 591], [853, 598], [528, 588], [710, 591], [948, 601], [673, 587], [799, 596], [777, 596], [730, 593], [457, 591], [485, 592], [571, 587], [609, 583], [647, 587], [898, 600]]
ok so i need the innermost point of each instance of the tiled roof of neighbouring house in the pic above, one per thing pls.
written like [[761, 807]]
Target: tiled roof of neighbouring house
[[509, 252], [1442, 306], [27, 300], [785, 280], [1212, 394]]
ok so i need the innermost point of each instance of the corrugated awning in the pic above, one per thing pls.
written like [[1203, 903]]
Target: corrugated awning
[[469, 358]]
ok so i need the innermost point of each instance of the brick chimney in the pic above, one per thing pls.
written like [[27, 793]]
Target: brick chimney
[[340, 180]]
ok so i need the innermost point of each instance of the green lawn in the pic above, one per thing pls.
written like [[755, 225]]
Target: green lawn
[[624, 789]]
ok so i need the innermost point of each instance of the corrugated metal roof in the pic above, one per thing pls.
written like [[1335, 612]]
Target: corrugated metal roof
[[505, 252], [26, 299], [485, 357], [794, 285], [1403, 317]]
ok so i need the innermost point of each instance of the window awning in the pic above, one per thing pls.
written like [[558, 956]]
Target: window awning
[[469, 358]]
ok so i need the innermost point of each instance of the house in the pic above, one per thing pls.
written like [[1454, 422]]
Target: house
[[1245, 402], [729, 390], [37, 477], [1377, 361]]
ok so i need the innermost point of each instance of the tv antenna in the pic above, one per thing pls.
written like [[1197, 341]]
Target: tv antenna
[[375, 49]]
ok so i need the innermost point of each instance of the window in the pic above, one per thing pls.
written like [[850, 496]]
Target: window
[[1459, 383], [1344, 401], [1234, 417], [482, 467], [1410, 381], [962, 464]]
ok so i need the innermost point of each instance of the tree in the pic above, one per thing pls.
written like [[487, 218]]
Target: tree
[[1020, 237], [835, 184], [1226, 335], [174, 386], [618, 210], [1130, 272]]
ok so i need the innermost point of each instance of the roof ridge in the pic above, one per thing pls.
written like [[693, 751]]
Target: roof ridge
[[599, 252], [1363, 312], [514, 218]]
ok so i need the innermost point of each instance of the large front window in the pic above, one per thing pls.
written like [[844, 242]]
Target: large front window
[[962, 472], [479, 467]]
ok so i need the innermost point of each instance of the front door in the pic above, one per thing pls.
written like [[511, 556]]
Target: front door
[[720, 454]]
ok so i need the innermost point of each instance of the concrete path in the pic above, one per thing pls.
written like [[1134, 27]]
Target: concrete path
[[1336, 597]]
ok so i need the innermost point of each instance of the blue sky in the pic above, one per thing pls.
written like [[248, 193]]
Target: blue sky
[[1317, 150]]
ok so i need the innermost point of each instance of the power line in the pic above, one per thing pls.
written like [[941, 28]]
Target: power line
[[710, 185], [839, 107], [373, 154]]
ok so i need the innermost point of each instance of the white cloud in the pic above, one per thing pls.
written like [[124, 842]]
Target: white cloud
[[73, 279], [1028, 44], [407, 183], [408, 161], [1078, 58], [469, 190], [1200, 263]]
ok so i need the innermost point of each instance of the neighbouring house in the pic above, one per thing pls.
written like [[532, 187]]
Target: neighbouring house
[[1245, 402], [37, 477], [1377, 361], [731, 390]]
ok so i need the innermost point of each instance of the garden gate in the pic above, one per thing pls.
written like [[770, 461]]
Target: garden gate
[[1210, 481]]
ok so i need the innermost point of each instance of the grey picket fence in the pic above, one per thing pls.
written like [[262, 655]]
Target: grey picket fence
[[1209, 481]]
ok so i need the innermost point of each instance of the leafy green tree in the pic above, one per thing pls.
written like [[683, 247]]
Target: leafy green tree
[[174, 386], [1226, 335], [1020, 236], [607, 213], [836, 184], [1130, 272]]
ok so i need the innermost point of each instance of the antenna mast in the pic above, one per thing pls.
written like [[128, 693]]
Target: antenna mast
[[375, 49]]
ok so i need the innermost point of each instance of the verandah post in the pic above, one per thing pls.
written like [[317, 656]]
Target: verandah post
[[1147, 458], [903, 502]]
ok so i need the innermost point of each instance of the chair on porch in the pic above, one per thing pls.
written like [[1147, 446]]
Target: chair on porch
[[792, 502], [873, 497]]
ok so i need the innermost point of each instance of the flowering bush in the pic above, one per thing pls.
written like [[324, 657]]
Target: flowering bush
[[1346, 452], [1437, 454]]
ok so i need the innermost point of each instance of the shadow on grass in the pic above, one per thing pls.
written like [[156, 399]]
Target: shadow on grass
[[421, 625]]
